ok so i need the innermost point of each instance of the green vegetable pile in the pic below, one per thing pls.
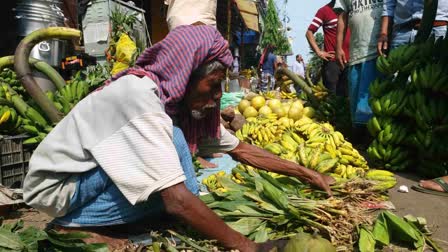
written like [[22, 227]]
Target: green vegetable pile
[[16, 238]]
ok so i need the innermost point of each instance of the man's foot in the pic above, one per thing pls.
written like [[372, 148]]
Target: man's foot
[[431, 185], [206, 164]]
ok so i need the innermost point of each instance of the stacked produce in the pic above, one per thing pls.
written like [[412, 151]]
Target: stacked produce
[[328, 106], [20, 114], [287, 131], [265, 205], [410, 108]]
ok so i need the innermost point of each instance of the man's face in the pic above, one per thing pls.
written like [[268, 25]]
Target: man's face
[[299, 58], [203, 95]]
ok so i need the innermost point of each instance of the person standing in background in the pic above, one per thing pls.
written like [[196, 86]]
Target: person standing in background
[[187, 12], [268, 65], [364, 23], [334, 77], [298, 66], [405, 16]]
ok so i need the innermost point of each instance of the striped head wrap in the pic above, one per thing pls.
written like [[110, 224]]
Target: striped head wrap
[[170, 63]]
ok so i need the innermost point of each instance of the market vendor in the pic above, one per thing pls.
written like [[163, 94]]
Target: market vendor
[[123, 152]]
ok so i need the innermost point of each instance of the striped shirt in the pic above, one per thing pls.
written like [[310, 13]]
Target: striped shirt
[[328, 20]]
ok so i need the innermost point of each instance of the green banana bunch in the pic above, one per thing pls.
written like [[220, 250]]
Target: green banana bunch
[[392, 157], [10, 120]]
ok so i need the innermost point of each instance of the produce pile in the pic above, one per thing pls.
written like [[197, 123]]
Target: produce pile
[[286, 130], [20, 114], [15, 238], [410, 109], [265, 205], [328, 106]]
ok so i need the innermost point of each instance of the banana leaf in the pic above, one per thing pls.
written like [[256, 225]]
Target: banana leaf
[[229, 184], [31, 237], [400, 229], [260, 234], [245, 226], [366, 240], [230, 205], [11, 241], [381, 231]]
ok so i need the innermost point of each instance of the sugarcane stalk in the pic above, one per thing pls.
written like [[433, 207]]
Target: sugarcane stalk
[[23, 69], [41, 66], [303, 85]]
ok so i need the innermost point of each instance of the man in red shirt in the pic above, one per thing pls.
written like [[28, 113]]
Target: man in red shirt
[[335, 78]]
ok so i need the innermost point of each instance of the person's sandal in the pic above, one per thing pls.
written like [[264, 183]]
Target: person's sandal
[[440, 182]]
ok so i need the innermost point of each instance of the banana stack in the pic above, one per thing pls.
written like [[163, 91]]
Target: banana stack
[[66, 98], [410, 108], [317, 146], [20, 114], [384, 179]]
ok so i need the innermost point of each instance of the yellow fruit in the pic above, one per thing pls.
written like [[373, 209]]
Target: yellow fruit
[[274, 103], [284, 121], [257, 102], [250, 112], [297, 104], [243, 105], [308, 112], [265, 110], [295, 113], [280, 111]]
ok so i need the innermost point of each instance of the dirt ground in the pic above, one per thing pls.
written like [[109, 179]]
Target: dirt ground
[[433, 208]]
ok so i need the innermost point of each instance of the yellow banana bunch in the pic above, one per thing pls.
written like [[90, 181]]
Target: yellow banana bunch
[[287, 95]]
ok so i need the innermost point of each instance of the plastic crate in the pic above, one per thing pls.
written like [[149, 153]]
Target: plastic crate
[[14, 158], [96, 25]]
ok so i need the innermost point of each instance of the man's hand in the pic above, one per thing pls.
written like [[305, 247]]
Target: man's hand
[[382, 44], [262, 159], [341, 58], [326, 55], [183, 204], [321, 181]]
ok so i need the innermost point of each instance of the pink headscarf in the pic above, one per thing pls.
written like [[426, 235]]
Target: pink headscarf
[[170, 63]]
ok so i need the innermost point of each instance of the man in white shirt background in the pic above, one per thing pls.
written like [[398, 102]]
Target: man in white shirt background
[[298, 67]]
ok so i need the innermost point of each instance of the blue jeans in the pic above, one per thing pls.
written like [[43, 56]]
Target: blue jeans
[[360, 76], [406, 36], [98, 201]]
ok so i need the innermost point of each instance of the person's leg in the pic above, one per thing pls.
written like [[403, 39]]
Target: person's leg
[[99, 202], [330, 76], [432, 185], [402, 37], [439, 32], [342, 86]]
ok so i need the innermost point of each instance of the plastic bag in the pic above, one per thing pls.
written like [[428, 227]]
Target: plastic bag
[[231, 99], [125, 50]]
